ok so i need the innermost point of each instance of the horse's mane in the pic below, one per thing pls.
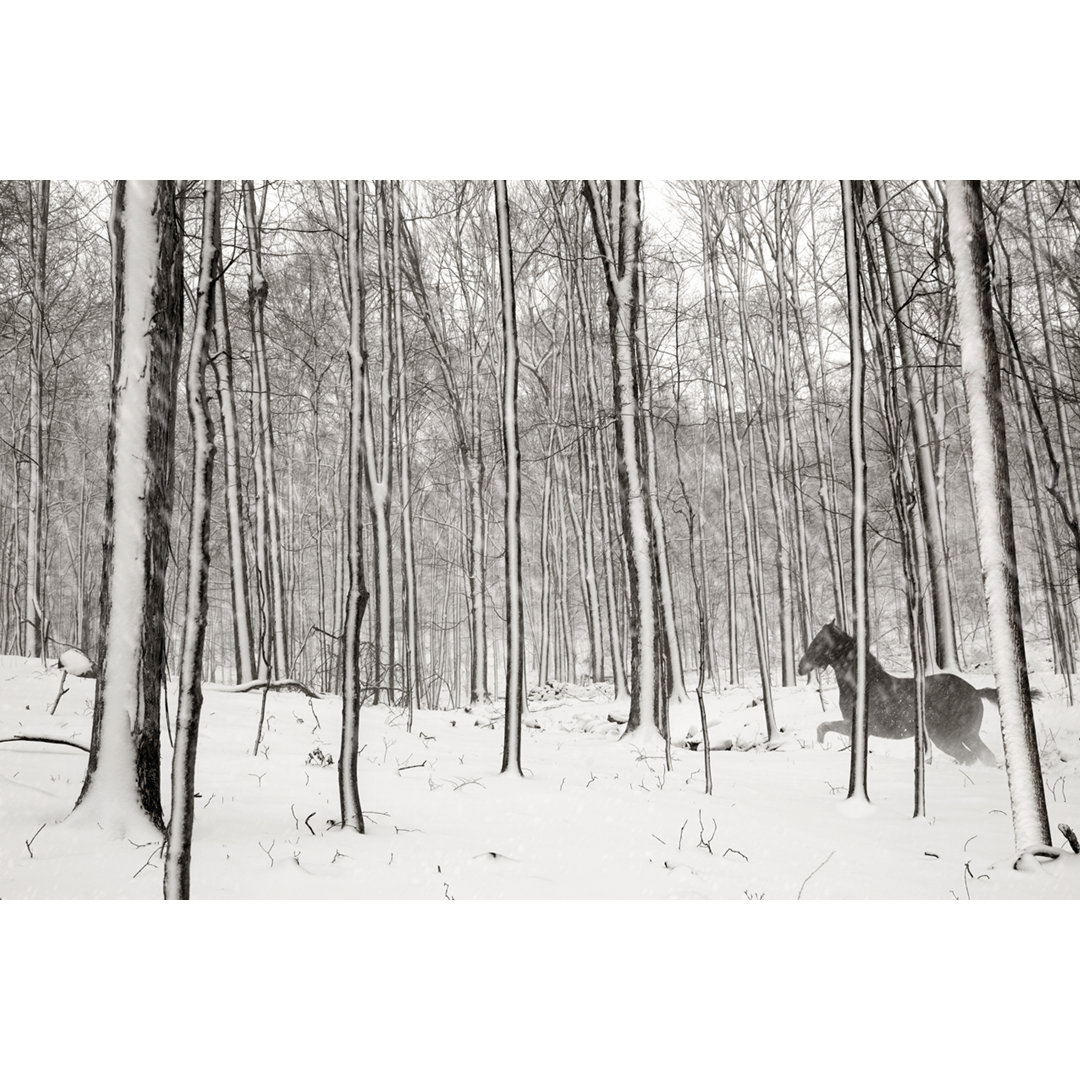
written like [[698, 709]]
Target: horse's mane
[[847, 648]]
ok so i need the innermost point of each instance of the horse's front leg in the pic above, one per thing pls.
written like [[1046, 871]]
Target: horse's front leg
[[843, 727]]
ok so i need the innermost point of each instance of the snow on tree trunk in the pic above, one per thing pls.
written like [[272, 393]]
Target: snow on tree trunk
[[857, 779], [356, 595], [619, 240], [177, 882], [122, 787], [993, 506], [515, 610]]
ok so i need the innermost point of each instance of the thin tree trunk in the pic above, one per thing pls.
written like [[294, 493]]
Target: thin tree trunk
[[177, 882], [378, 463], [266, 487], [934, 531], [714, 330], [35, 643], [356, 595], [676, 688], [857, 781], [221, 361], [515, 610], [408, 555]]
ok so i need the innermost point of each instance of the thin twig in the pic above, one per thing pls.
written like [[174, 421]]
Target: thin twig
[[813, 872], [44, 823]]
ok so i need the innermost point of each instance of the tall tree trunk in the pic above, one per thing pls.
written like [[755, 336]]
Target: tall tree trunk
[[35, 643], [122, 788], [857, 781], [906, 505], [408, 554], [221, 361], [515, 610], [611, 554], [177, 883], [714, 329], [273, 576], [827, 485], [933, 528], [997, 549], [618, 236], [676, 688], [1059, 392], [753, 562], [356, 595], [378, 460]]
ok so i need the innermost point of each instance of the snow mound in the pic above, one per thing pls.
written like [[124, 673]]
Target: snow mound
[[561, 691], [76, 662]]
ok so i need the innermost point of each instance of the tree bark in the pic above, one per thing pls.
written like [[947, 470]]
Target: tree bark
[[177, 882], [857, 780], [356, 594], [618, 236], [933, 527], [123, 779], [408, 554], [221, 361], [980, 365], [515, 611], [35, 643], [269, 543]]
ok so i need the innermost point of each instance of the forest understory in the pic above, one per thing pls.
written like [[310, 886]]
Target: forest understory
[[596, 817]]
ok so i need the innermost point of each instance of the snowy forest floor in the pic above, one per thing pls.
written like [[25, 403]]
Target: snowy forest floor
[[596, 817]]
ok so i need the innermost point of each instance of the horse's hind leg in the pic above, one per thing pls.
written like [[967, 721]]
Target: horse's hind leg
[[980, 750]]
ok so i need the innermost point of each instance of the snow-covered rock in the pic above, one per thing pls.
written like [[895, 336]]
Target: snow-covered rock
[[76, 662]]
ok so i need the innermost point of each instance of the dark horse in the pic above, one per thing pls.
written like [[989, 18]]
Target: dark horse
[[954, 707]]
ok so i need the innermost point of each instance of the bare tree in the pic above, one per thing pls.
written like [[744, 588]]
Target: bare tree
[[356, 595], [929, 501], [617, 226], [177, 882], [35, 533], [222, 362], [993, 503], [123, 777], [412, 633], [857, 780], [515, 612], [268, 511]]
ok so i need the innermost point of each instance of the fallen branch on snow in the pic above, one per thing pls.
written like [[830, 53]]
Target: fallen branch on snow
[[1067, 832], [276, 684], [48, 739]]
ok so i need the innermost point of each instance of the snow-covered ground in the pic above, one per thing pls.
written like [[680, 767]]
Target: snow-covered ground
[[596, 817]]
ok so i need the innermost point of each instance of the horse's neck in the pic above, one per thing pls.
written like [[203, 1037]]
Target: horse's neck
[[844, 667]]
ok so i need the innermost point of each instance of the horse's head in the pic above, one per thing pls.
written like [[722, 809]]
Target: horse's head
[[826, 647]]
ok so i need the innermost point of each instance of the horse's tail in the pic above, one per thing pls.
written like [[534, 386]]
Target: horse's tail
[[991, 694]]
